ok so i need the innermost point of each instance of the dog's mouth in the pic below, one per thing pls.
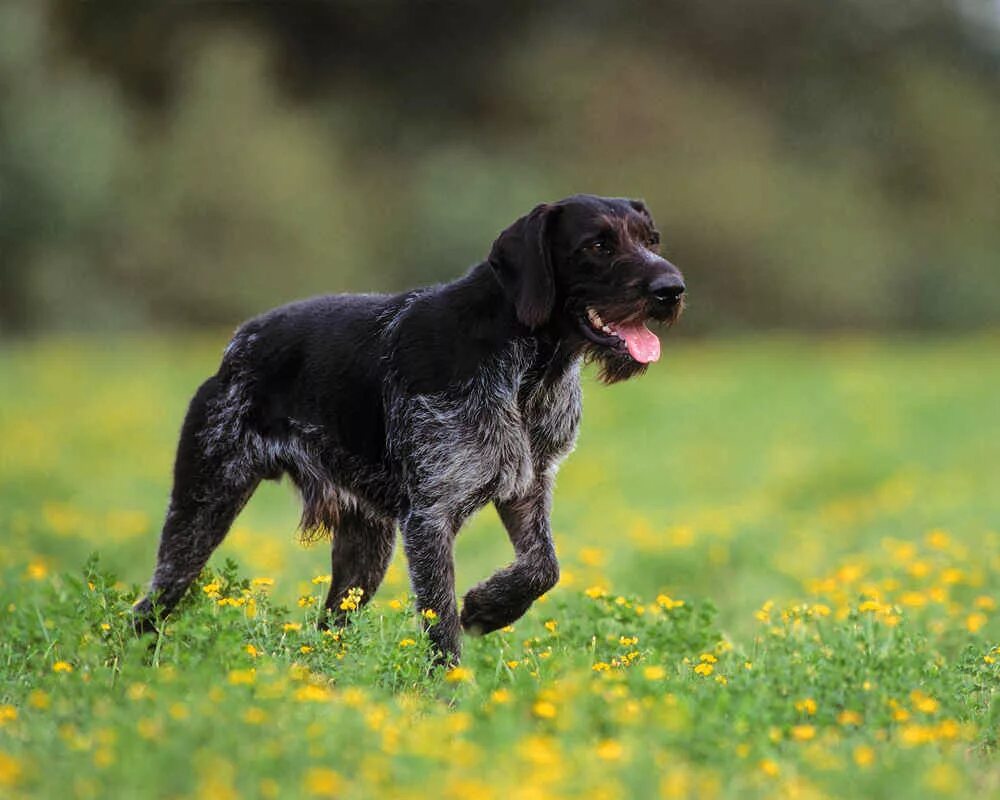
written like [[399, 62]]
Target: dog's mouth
[[632, 337]]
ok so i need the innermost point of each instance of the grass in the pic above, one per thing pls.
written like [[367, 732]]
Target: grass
[[781, 564]]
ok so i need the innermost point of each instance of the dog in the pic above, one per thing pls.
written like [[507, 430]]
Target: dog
[[417, 409]]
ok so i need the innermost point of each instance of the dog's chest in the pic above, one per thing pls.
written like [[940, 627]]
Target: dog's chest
[[493, 438]]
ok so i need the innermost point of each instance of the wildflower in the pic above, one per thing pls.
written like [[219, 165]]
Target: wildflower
[[10, 770], [985, 602], [501, 696], [312, 694], [36, 570], [291, 627], [654, 673], [550, 625], [7, 714], [254, 716], [806, 706], [305, 649], [458, 675], [39, 699], [722, 680], [848, 717], [429, 614], [544, 709], [407, 642], [803, 733], [323, 782], [352, 601], [242, 677], [667, 603], [262, 583], [212, 589], [628, 641], [592, 556], [62, 666], [252, 651], [601, 666], [769, 768], [748, 665], [975, 621], [308, 600], [708, 658], [704, 669], [922, 702], [610, 750], [864, 756], [763, 614], [322, 579], [596, 592], [396, 605]]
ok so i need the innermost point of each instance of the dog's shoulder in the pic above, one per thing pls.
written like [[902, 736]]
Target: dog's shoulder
[[444, 335]]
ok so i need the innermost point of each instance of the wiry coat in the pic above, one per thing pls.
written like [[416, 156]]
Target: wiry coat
[[414, 410]]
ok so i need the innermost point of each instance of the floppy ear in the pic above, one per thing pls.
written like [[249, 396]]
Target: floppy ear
[[522, 262]]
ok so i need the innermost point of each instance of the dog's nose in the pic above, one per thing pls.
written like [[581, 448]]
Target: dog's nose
[[667, 288]]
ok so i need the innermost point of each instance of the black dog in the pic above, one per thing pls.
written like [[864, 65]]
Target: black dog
[[417, 409]]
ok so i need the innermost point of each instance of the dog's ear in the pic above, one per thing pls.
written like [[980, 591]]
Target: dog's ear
[[522, 261]]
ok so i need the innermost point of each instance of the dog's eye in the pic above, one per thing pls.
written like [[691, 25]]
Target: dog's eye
[[600, 247]]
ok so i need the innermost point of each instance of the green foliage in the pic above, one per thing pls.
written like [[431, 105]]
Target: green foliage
[[780, 578]]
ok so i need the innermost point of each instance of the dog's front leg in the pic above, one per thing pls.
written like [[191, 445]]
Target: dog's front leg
[[428, 536], [506, 595]]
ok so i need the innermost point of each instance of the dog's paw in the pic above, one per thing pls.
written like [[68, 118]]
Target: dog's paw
[[482, 614]]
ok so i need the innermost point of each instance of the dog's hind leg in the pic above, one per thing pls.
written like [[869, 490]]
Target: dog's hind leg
[[209, 491], [508, 593], [363, 541]]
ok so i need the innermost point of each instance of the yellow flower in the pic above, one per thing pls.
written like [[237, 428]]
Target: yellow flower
[[252, 651], [595, 592], [352, 601], [806, 706], [254, 716], [985, 603], [36, 570], [323, 782], [769, 768], [212, 589], [704, 669], [312, 694], [803, 733], [396, 605], [39, 699], [601, 666], [322, 579], [975, 621], [550, 625], [7, 714], [10, 770], [429, 613], [628, 641], [262, 583], [544, 709], [501, 696], [458, 675], [242, 677], [848, 717], [307, 601], [667, 603], [291, 627], [610, 750], [305, 649], [864, 756], [407, 642], [654, 673], [922, 702], [62, 666], [708, 658]]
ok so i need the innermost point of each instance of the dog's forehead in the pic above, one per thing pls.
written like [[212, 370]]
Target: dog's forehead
[[590, 211]]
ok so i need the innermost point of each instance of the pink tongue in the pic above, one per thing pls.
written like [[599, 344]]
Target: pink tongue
[[642, 343]]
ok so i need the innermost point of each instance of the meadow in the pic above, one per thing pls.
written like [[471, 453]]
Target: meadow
[[781, 563]]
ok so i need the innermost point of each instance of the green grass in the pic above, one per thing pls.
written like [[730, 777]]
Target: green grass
[[826, 511]]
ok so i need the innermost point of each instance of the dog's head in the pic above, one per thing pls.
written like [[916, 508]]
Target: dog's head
[[588, 269]]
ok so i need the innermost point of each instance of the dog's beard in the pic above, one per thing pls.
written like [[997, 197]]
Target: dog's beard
[[613, 365]]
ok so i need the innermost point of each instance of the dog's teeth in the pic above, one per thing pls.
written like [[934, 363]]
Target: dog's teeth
[[606, 329]]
